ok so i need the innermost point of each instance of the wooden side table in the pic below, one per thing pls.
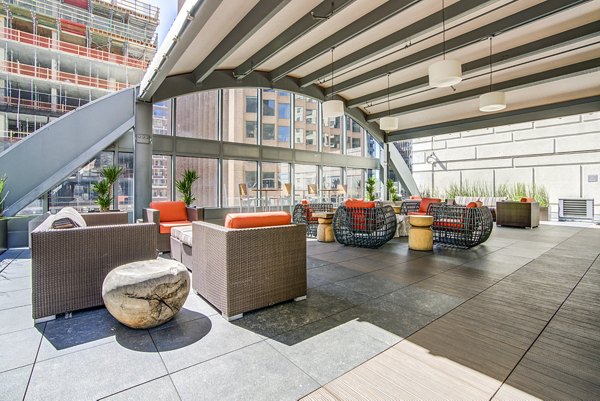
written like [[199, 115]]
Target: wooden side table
[[324, 229], [420, 236]]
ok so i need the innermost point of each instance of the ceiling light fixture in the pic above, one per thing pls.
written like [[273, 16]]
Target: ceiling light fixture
[[492, 101], [332, 108], [388, 123], [444, 73]]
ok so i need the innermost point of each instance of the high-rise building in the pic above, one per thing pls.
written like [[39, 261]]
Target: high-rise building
[[57, 55]]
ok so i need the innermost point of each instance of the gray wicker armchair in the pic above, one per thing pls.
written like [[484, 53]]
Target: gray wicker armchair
[[364, 227], [69, 265], [239, 270]]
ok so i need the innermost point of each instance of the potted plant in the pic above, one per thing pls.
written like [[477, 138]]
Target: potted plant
[[184, 186], [104, 187], [392, 190], [370, 188], [540, 194]]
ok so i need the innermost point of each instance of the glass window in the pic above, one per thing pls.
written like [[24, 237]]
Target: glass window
[[354, 181], [283, 111], [332, 176], [250, 129], [161, 178], [161, 118], [268, 107], [373, 147], [240, 115], [76, 191], [332, 135], [197, 115], [306, 123], [303, 176], [268, 132], [354, 137], [378, 184], [205, 188], [274, 175], [283, 133], [251, 104], [237, 172], [276, 129], [125, 188]]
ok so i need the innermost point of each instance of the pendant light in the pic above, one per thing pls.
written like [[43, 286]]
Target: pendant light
[[492, 101], [444, 73], [388, 123], [332, 108]]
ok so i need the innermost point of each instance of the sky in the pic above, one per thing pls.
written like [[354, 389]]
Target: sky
[[168, 12]]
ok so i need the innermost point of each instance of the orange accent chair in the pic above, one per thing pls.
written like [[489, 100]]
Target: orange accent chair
[[424, 206], [167, 215]]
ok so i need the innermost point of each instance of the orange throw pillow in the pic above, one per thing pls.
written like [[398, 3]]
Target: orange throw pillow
[[472, 204], [170, 211], [360, 203], [527, 200], [425, 203], [253, 220]]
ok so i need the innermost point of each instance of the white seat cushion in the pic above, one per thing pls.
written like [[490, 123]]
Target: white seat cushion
[[183, 234]]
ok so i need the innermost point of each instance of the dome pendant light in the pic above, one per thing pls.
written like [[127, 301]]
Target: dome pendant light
[[444, 73], [332, 108], [388, 123], [492, 101]]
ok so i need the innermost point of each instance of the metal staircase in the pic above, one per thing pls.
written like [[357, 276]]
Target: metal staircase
[[66, 144], [401, 168]]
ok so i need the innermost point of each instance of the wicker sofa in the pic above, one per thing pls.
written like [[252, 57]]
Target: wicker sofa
[[239, 270], [461, 226], [166, 215], [365, 227], [303, 215], [69, 265]]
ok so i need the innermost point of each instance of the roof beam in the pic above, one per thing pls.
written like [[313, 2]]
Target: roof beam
[[375, 17], [516, 20], [527, 49], [306, 23], [562, 109], [521, 82], [418, 28], [261, 13]]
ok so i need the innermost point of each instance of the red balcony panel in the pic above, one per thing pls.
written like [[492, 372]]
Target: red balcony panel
[[72, 27], [78, 3]]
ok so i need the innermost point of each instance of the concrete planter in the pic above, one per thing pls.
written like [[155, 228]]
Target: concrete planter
[[544, 213]]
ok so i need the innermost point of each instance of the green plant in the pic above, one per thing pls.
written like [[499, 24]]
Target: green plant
[[503, 191], [370, 188], [453, 191], [184, 186], [392, 190], [104, 187]]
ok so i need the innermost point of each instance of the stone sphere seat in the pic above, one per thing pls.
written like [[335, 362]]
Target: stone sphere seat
[[147, 293]]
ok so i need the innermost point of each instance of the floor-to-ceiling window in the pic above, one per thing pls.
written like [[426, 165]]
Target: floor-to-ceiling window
[[197, 115], [276, 118], [304, 175], [236, 172], [240, 115], [332, 135], [355, 136], [161, 178], [306, 123], [354, 183], [205, 189]]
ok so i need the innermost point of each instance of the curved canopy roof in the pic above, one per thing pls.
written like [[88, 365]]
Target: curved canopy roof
[[545, 56]]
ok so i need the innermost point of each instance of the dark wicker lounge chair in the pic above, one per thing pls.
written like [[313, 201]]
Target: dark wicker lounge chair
[[303, 215], [69, 265], [364, 227], [460, 226]]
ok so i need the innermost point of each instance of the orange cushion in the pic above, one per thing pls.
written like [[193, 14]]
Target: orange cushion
[[360, 203], [472, 204], [304, 202], [425, 203], [449, 223], [252, 220], [415, 197], [170, 211], [527, 200], [165, 227]]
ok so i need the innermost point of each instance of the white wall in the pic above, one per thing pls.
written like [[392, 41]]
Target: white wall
[[560, 153]]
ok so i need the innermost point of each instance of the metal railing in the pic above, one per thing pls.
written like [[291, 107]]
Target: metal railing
[[138, 7], [48, 43], [60, 10], [26, 70]]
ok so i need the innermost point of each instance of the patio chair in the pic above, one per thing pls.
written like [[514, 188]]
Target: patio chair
[[313, 193], [241, 269], [303, 214], [69, 265], [418, 206], [364, 224], [461, 226], [246, 197], [166, 215]]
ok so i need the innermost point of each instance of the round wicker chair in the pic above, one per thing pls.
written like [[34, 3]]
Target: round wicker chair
[[461, 226], [364, 227], [303, 215]]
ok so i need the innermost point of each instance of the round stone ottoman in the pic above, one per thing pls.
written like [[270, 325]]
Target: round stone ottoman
[[147, 293], [420, 236]]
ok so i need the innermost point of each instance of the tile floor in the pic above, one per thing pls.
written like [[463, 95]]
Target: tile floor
[[360, 303]]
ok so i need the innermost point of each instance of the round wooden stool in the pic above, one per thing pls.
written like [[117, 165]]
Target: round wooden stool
[[324, 229], [420, 236]]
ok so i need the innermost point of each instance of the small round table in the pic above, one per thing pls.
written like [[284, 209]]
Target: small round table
[[420, 236], [324, 229]]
